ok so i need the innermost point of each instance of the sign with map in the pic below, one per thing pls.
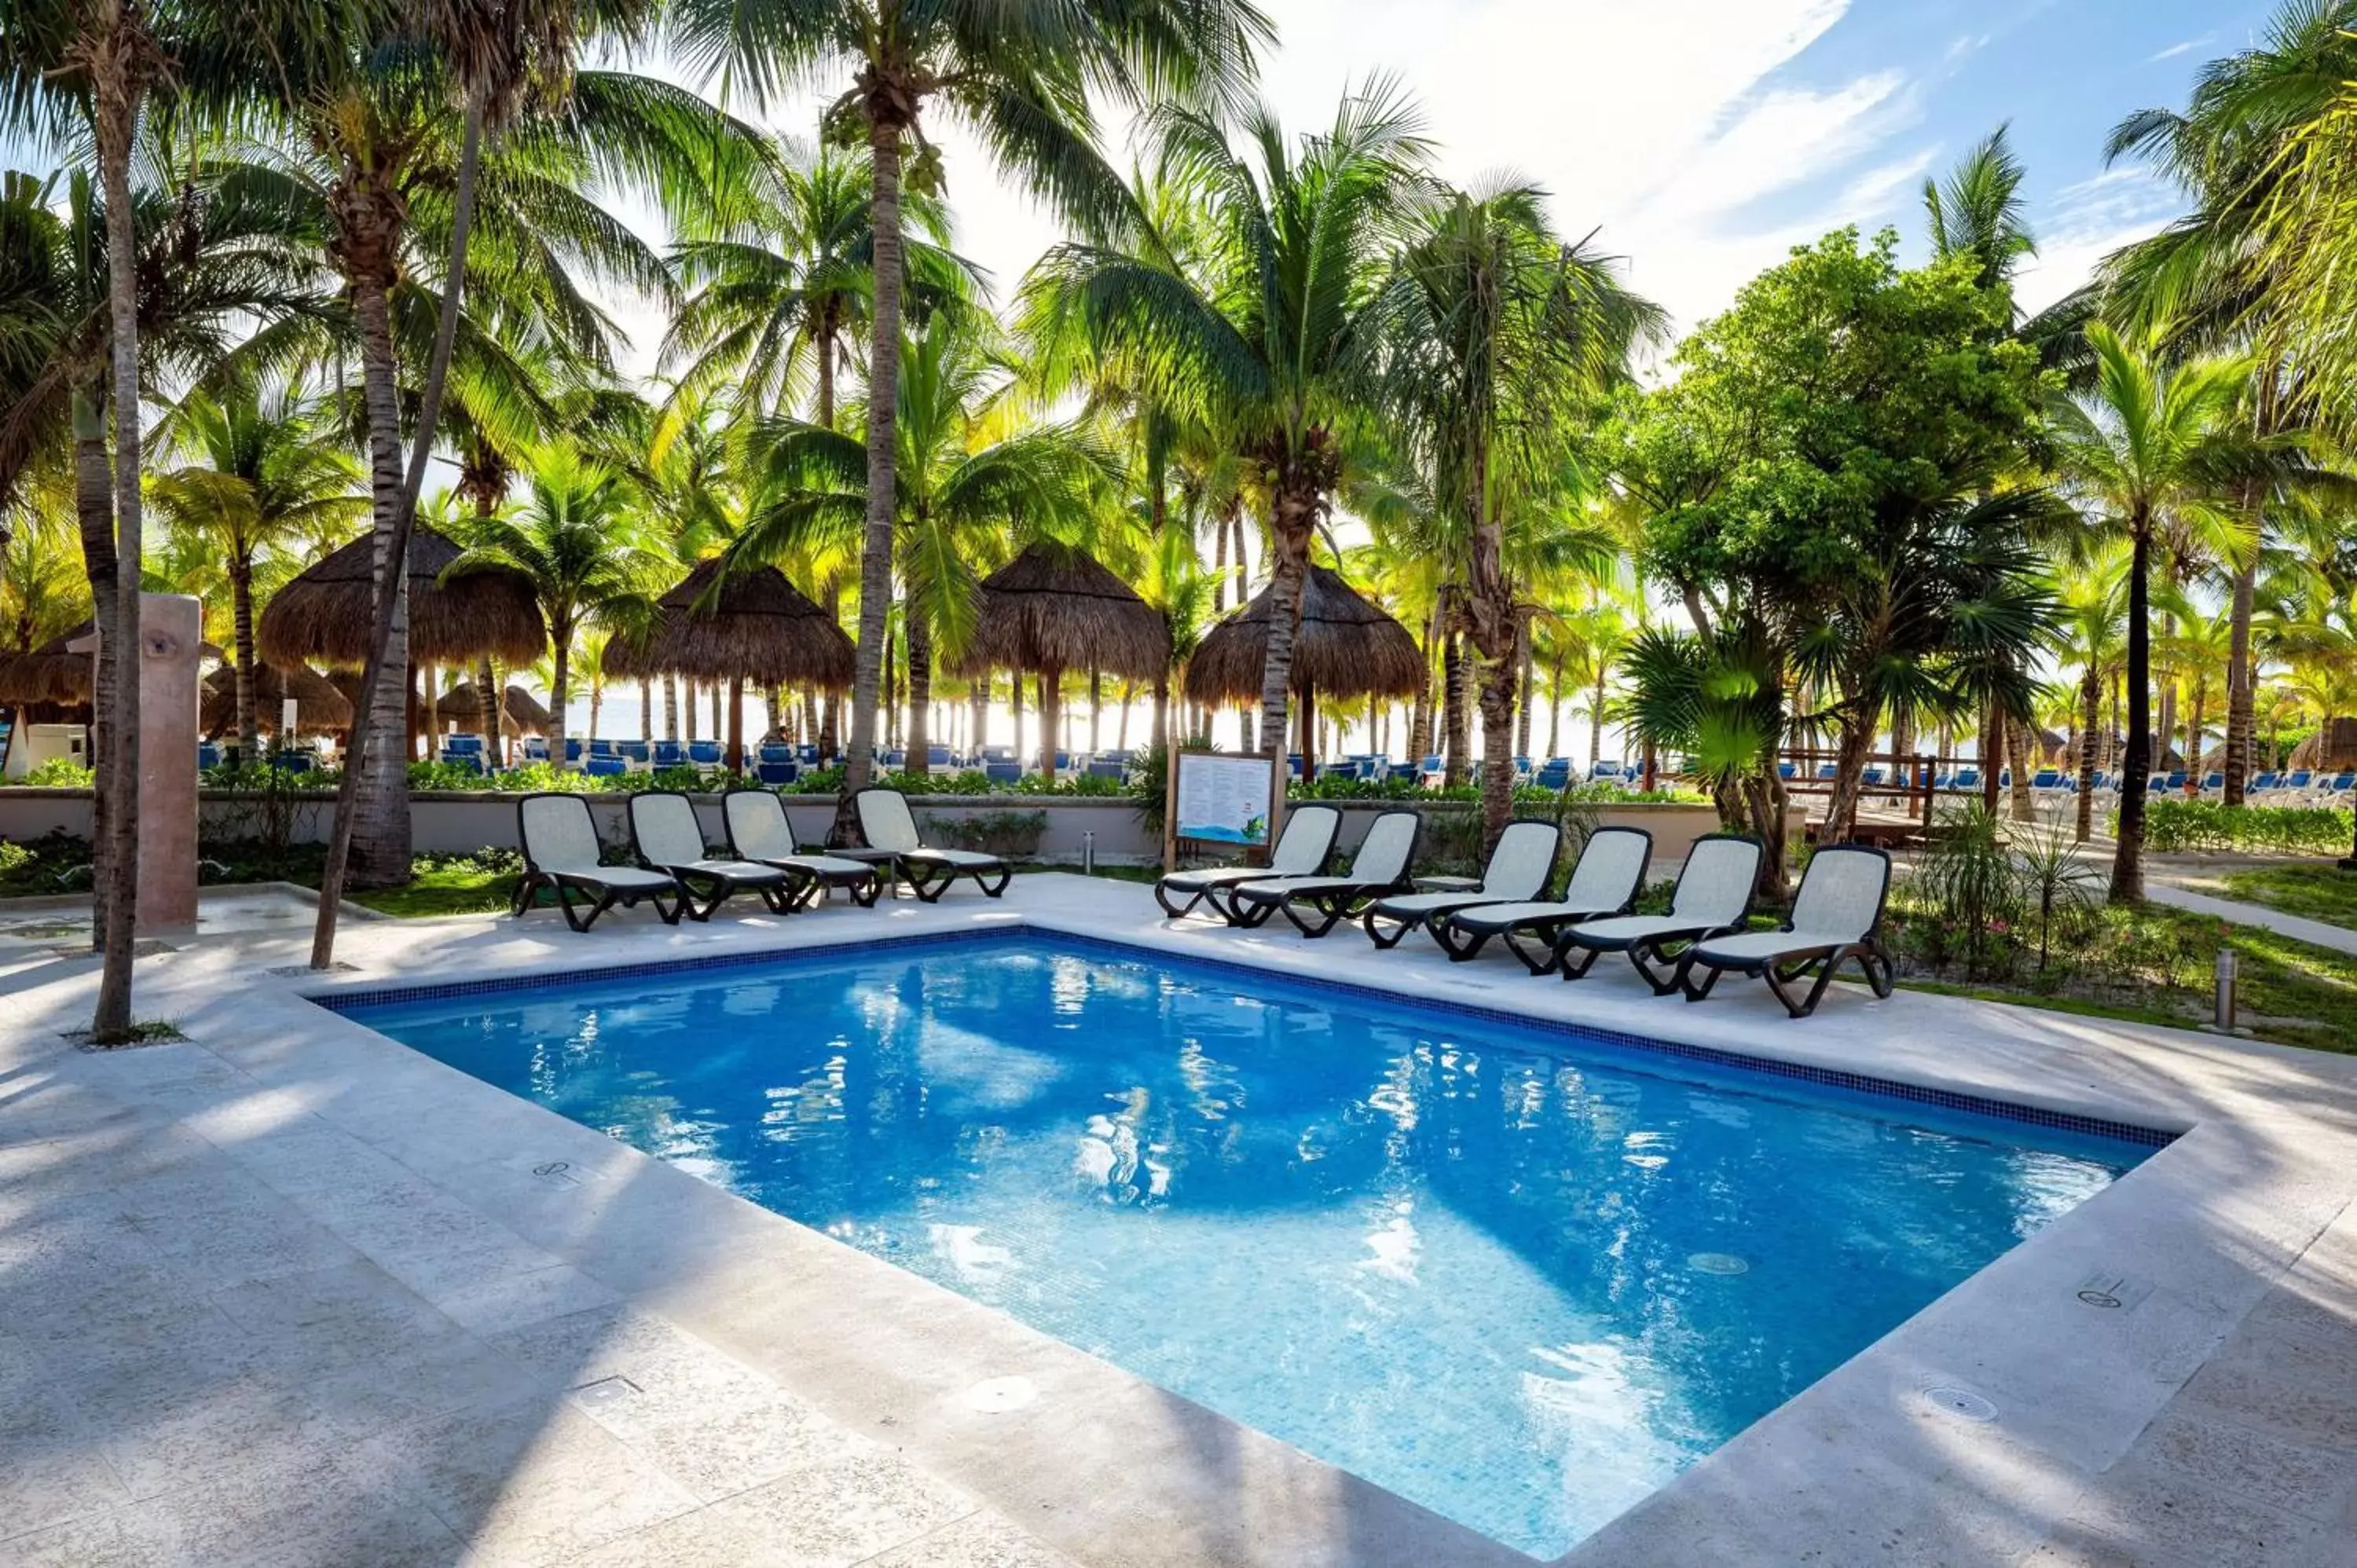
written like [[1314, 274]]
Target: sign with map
[[1223, 798]]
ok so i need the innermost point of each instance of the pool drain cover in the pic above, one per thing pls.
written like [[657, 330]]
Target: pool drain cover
[[997, 1396], [1961, 1403], [1717, 1263]]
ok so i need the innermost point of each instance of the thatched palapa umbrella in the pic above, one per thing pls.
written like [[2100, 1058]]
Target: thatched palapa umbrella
[[49, 674], [325, 614], [521, 713], [737, 626], [320, 708], [1054, 608], [1345, 647]]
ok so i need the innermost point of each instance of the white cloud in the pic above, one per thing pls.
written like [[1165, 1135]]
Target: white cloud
[[2088, 221]]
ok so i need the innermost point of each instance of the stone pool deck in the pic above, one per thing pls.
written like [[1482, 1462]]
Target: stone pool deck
[[289, 1294]]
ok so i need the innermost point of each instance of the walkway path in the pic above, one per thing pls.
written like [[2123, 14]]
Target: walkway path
[[2339, 939]]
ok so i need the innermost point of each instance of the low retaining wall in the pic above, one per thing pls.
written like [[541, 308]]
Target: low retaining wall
[[456, 822]]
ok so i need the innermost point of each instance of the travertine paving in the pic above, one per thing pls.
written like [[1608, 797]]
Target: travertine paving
[[288, 1293]]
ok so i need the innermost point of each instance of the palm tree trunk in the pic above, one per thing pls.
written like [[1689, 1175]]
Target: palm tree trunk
[[2193, 732], [120, 78], [1596, 719], [2242, 687], [2091, 715], [671, 708], [1128, 698], [1051, 708], [94, 509], [2017, 737], [1293, 518], [375, 766], [737, 725], [1096, 711], [597, 706], [1527, 697], [1992, 750], [884, 376], [495, 710], [1554, 707], [1419, 718], [2136, 768], [647, 712], [1219, 566], [240, 596], [431, 679], [560, 689], [1015, 709], [921, 693], [1853, 739], [389, 645]]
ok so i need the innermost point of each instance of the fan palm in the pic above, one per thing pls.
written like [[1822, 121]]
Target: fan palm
[[1019, 74], [270, 471], [2149, 442]]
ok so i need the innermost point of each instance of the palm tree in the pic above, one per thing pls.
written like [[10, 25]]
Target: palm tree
[[272, 472], [1496, 335], [580, 538], [2253, 153], [1018, 74], [2149, 442], [2092, 608], [1273, 347], [964, 493], [777, 289]]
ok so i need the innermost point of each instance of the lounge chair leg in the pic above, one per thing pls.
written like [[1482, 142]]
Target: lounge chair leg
[[678, 905], [1386, 937], [1180, 913], [1575, 962], [992, 889], [1881, 974], [928, 891], [1450, 935], [1685, 977], [1539, 965], [865, 893], [1662, 983], [1252, 916], [1331, 909]]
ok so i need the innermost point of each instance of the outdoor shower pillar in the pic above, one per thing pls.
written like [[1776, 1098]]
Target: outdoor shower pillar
[[170, 639], [170, 643]]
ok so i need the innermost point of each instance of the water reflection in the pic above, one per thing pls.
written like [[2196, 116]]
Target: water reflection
[[1520, 1286]]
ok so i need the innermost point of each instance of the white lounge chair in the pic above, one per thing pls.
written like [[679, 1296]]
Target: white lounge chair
[[1302, 846], [886, 824], [667, 837], [560, 854], [1378, 869], [1712, 896], [757, 828], [1836, 917], [1611, 869], [1517, 873]]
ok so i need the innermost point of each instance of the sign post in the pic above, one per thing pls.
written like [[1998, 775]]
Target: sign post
[[1233, 799]]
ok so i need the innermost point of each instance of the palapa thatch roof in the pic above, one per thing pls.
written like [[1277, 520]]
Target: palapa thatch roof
[[320, 708], [55, 674], [1054, 607], [1346, 648], [520, 712], [762, 629], [324, 614]]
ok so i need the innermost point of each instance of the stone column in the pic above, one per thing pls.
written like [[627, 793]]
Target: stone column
[[169, 629]]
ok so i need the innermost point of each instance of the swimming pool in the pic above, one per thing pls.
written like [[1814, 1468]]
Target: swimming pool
[[1518, 1275]]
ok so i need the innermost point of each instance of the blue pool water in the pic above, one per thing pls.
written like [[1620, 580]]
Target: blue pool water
[[1518, 1277]]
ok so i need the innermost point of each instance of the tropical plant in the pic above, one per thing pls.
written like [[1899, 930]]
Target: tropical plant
[[1495, 336], [1017, 73], [2150, 442], [2091, 613], [580, 537], [1271, 345], [271, 472]]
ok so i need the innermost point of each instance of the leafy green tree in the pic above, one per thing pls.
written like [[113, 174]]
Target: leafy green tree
[[1814, 470], [2088, 634], [1019, 74], [270, 470]]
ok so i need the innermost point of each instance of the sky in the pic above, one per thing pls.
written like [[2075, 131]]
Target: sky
[[1701, 139]]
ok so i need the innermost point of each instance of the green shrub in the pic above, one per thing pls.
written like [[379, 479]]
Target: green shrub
[[2174, 826], [1013, 835], [61, 773]]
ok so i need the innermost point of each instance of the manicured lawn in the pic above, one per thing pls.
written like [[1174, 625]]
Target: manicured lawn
[[449, 888], [2313, 892]]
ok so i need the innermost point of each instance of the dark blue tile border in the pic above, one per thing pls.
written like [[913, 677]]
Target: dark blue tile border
[[344, 1001]]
